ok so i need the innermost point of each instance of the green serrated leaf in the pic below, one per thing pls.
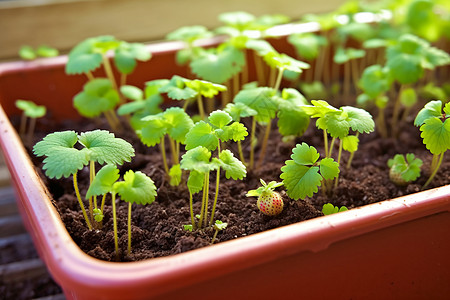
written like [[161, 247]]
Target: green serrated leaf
[[350, 143], [189, 33], [262, 100], [127, 54], [103, 181], [233, 167], [104, 147], [305, 155], [239, 110], [195, 181], [329, 169], [201, 134], [307, 45], [436, 135], [375, 81], [197, 159], [229, 60], [62, 159], [153, 130], [432, 109], [205, 88], [176, 88], [98, 96], [219, 118], [292, 121], [359, 119], [178, 123], [136, 188], [300, 181]]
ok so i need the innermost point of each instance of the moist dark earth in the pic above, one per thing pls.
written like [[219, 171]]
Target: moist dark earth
[[158, 228]]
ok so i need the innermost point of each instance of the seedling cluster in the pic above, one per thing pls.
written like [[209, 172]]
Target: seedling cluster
[[337, 79]]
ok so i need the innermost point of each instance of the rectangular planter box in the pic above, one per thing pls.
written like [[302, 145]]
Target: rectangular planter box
[[389, 250]]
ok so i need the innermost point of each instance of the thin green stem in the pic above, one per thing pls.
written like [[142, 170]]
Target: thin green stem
[[77, 193], [435, 170], [236, 84], [381, 123], [31, 126], [252, 143], [216, 194], [339, 163], [129, 228], [214, 236], [162, 148], [325, 142], [260, 76], [206, 198], [23, 125], [103, 203], [91, 178], [116, 242], [110, 75], [173, 150], [201, 110], [89, 75], [349, 162], [279, 78], [241, 153], [396, 111], [331, 147], [191, 208]]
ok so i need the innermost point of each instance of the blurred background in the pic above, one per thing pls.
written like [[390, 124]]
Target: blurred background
[[63, 23]]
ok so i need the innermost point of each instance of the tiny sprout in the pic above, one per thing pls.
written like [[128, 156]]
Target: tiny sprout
[[329, 209], [218, 226], [98, 215], [403, 171], [30, 111]]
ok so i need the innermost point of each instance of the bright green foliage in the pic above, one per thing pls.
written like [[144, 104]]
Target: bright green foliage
[[408, 97], [132, 92], [103, 181], [264, 189], [62, 159], [430, 92], [176, 88], [127, 54], [292, 120], [344, 55], [27, 52], [262, 99], [205, 88], [314, 90], [233, 167], [285, 62], [174, 122], [408, 58], [226, 58], [303, 175], [219, 225], [262, 47], [239, 110], [307, 45], [350, 143], [175, 175], [189, 34], [435, 126], [375, 81], [329, 209], [409, 169], [195, 181], [136, 187], [357, 31], [198, 159], [30, 109], [208, 135], [98, 96], [88, 55], [338, 122], [423, 21]]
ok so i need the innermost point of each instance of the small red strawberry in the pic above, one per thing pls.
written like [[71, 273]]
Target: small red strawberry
[[269, 202]]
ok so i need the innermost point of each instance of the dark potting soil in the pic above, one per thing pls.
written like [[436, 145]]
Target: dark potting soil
[[157, 229]]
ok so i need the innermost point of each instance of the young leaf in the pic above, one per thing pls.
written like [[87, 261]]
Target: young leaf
[[432, 109], [350, 143], [103, 181], [219, 118], [195, 181], [301, 175], [132, 92], [233, 167], [27, 52], [127, 54], [175, 175], [104, 147], [201, 134], [260, 99], [239, 110], [136, 188], [229, 60], [285, 62], [62, 159], [197, 159], [436, 135], [205, 88], [189, 34], [176, 89], [98, 96], [30, 109], [409, 168], [46, 51], [239, 19], [292, 120], [375, 81], [329, 209], [308, 45]]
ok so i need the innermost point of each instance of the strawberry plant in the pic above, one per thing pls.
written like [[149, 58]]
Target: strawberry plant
[[31, 112], [329, 209], [63, 159], [135, 188], [434, 124], [403, 171], [218, 226], [269, 202]]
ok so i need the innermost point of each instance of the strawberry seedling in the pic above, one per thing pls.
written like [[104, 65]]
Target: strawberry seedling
[[403, 171]]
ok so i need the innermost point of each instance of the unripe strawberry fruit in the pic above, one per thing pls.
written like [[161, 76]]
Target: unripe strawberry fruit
[[396, 177], [270, 204]]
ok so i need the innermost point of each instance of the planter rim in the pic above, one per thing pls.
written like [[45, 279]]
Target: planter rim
[[65, 259]]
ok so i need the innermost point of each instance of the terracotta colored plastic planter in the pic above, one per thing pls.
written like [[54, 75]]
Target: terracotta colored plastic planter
[[388, 250]]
